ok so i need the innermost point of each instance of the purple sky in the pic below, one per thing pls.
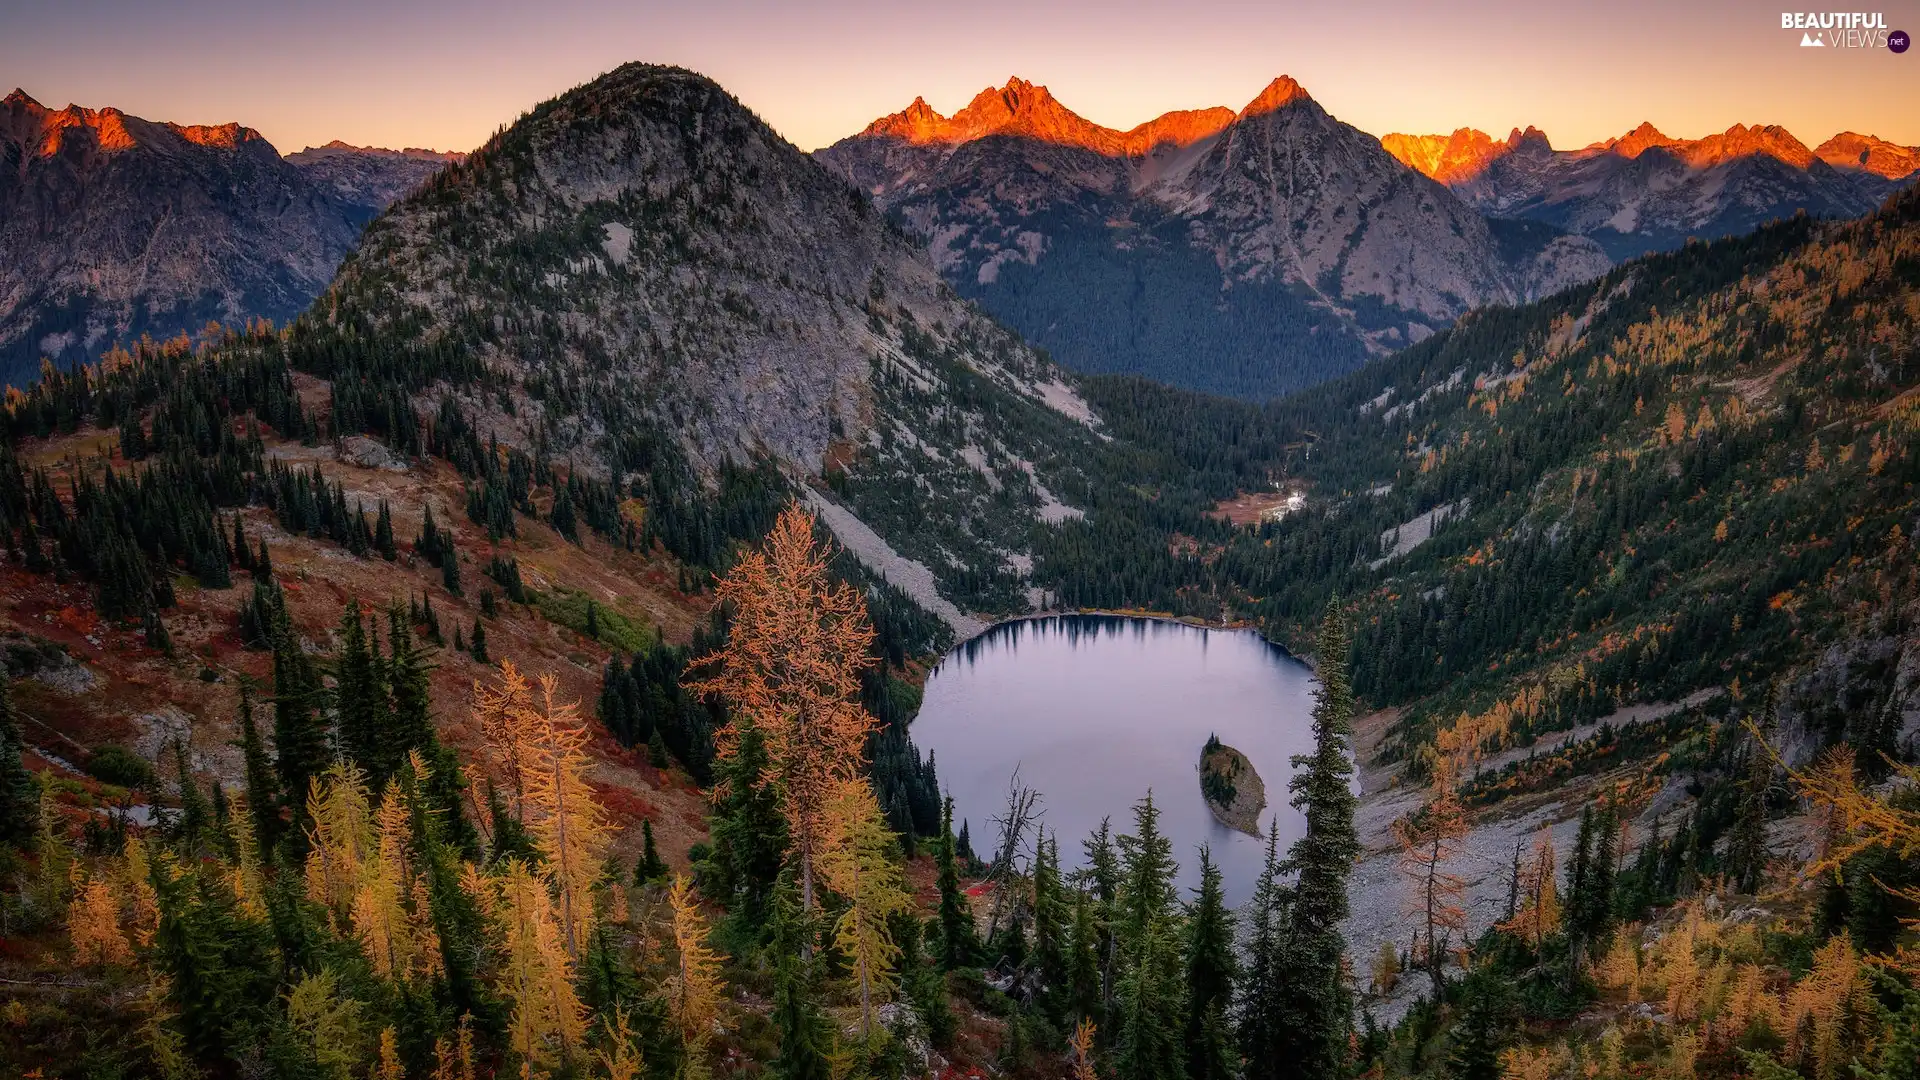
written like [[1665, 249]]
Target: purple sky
[[444, 74]]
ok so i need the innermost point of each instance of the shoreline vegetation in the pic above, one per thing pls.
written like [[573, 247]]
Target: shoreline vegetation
[[1233, 790], [1236, 626]]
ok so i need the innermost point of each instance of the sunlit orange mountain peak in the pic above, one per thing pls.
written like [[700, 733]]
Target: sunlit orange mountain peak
[[1635, 142], [1740, 141], [1030, 110], [50, 132], [1446, 158], [1854, 152], [1279, 93]]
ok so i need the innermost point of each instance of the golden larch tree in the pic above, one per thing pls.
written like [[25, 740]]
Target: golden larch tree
[[1860, 819], [1539, 913], [536, 976], [327, 1022], [93, 923], [859, 865], [398, 941], [146, 900], [1080, 1044], [243, 873], [1428, 842], [692, 990], [389, 1067], [620, 1059], [567, 822], [791, 668], [506, 715], [340, 838]]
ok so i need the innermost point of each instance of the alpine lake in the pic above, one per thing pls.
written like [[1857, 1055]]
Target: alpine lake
[[1095, 711]]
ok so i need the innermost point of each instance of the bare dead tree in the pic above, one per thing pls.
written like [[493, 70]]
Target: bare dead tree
[[1022, 811]]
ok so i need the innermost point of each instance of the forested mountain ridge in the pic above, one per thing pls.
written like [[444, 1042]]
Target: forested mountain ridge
[[112, 226], [643, 277], [1275, 243], [1646, 191], [1695, 474]]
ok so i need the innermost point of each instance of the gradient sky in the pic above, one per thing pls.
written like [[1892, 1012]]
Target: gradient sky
[[444, 74]]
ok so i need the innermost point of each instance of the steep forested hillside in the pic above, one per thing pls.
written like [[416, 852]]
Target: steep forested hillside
[[1694, 473]]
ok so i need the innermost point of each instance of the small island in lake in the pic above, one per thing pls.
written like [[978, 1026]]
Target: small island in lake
[[1233, 790]]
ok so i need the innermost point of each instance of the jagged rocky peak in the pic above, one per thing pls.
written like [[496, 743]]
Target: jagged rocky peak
[[1017, 108], [1532, 140], [1854, 152], [1465, 155], [1738, 141], [1278, 94], [1180, 128], [1030, 110], [1639, 140], [1448, 158], [45, 132]]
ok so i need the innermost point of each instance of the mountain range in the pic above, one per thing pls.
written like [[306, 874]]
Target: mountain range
[[1646, 191], [1255, 251], [112, 226], [1242, 251], [1246, 252]]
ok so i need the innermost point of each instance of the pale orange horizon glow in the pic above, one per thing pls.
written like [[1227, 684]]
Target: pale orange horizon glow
[[443, 74]]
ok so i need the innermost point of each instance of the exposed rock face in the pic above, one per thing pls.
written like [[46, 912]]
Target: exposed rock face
[[1275, 241], [112, 226], [1646, 191], [642, 258], [367, 176], [1446, 158], [1292, 193], [1849, 151]]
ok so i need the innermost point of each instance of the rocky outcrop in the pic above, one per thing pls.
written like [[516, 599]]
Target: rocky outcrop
[[1449, 159], [112, 226], [1233, 790], [1647, 191]]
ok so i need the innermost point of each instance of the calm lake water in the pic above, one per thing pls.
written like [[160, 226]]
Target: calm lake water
[[1096, 710]]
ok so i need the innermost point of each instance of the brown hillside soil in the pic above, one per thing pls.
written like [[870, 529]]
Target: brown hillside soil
[[139, 698], [1246, 507]]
